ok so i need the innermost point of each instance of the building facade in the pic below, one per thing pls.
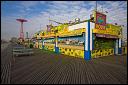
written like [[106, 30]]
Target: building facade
[[87, 39]]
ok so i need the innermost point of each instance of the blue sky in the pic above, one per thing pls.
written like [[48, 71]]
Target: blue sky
[[38, 12]]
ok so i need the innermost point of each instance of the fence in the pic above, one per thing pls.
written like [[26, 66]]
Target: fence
[[78, 51], [72, 51], [124, 50], [101, 53]]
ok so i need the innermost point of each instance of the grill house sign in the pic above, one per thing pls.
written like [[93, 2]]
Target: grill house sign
[[100, 21]]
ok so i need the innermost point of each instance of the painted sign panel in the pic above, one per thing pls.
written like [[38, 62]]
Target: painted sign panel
[[113, 30], [102, 27], [77, 26], [74, 41], [106, 36], [100, 21]]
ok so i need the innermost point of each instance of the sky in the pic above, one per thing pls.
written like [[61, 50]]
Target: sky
[[38, 14]]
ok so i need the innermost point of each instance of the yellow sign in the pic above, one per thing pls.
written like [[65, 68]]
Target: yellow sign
[[100, 26], [74, 32], [112, 30], [105, 32]]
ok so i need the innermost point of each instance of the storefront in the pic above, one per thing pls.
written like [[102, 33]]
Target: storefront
[[89, 39]]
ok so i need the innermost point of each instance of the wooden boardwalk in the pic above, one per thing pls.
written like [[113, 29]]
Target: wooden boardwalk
[[6, 57], [50, 68]]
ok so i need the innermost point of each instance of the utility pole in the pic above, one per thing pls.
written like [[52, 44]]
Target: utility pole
[[96, 5], [102, 8]]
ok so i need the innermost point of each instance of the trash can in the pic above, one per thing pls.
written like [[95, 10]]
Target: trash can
[[31, 45]]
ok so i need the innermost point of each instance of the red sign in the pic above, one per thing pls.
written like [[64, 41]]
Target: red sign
[[100, 21], [49, 28]]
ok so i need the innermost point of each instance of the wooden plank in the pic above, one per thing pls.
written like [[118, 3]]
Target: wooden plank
[[46, 68]]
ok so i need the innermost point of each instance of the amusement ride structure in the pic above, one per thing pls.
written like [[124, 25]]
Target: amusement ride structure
[[21, 38]]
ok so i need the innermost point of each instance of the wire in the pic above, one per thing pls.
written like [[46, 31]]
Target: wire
[[115, 9], [120, 5]]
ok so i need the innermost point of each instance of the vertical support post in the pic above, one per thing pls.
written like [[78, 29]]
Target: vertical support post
[[88, 42], [43, 43], [21, 26], [38, 43], [21, 30], [118, 49], [22, 34], [93, 38], [56, 45]]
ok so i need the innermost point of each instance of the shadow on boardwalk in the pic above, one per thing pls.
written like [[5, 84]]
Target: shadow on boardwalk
[[49, 68]]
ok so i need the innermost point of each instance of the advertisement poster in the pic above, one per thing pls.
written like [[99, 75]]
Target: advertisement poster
[[77, 41], [100, 21]]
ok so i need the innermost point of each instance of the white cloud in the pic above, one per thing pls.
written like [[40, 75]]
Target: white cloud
[[9, 27], [28, 4], [62, 11], [118, 15], [43, 2], [67, 2]]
